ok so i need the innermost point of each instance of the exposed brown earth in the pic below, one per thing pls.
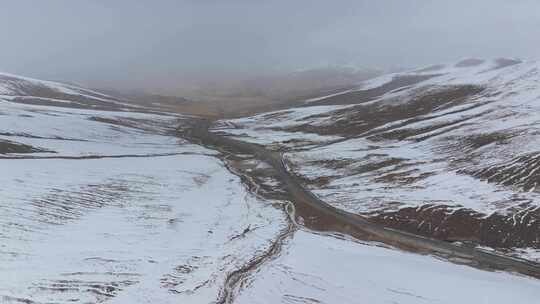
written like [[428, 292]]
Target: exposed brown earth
[[230, 96], [362, 96], [446, 223], [505, 62], [365, 118], [469, 63], [521, 172], [13, 147], [80, 103], [231, 106]]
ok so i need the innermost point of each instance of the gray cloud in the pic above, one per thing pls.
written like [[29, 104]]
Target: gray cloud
[[130, 43]]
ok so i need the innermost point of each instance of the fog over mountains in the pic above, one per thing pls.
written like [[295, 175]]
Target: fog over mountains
[[171, 46]]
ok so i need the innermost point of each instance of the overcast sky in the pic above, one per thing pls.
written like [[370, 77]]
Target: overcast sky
[[137, 43]]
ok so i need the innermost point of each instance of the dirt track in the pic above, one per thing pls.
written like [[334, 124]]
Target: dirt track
[[318, 215]]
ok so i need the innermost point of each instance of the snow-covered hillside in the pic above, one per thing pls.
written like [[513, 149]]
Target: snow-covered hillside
[[101, 201], [39, 92], [449, 151]]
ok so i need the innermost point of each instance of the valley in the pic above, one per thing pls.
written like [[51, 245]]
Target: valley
[[427, 174]]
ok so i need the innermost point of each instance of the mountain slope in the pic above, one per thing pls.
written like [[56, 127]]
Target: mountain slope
[[100, 201], [39, 92], [448, 151]]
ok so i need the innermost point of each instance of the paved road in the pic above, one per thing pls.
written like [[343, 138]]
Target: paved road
[[319, 215]]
